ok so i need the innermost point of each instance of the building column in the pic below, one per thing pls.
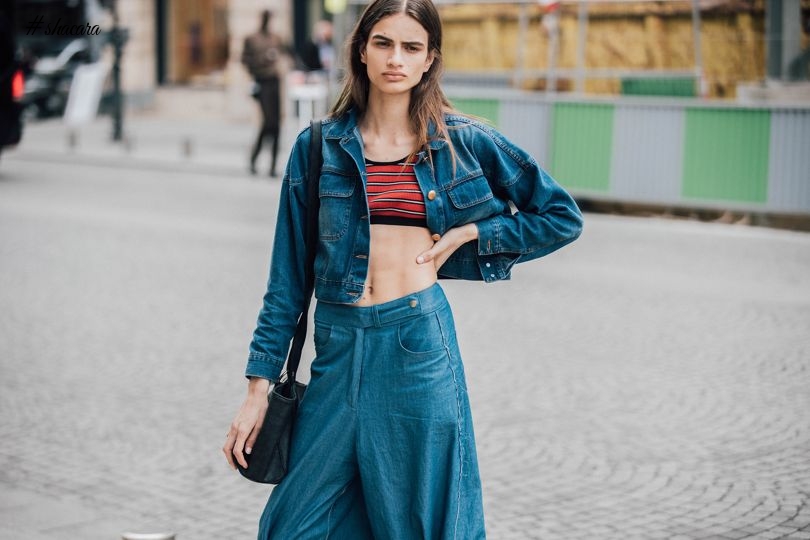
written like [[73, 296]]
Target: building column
[[138, 68], [783, 34]]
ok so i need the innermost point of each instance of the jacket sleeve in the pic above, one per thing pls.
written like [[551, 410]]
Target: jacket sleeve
[[284, 299], [544, 216]]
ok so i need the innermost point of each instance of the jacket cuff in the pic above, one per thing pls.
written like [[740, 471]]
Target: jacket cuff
[[489, 235], [264, 366], [493, 264]]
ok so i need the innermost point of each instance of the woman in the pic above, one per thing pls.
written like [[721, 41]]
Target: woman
[[409, 192]]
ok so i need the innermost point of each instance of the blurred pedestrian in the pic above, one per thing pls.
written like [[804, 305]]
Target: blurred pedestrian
[[411, 191], [318, 53], [262, 55]]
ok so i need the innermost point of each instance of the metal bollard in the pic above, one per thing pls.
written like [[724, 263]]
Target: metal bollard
[[72, 139], [147, 536], [187, 146]]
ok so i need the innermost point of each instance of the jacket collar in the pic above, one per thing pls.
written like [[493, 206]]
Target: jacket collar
[[340, 127]]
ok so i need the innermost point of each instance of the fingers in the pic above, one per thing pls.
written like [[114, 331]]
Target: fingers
[[227, 448], [432, 253], [440, 251], [239, 445], [235, 444], [254, 433], [422, 258], [244, 430]]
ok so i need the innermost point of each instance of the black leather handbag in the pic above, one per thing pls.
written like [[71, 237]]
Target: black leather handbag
[[269, 459]]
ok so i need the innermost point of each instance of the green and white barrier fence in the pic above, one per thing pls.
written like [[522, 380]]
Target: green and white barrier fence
[[678, 152]]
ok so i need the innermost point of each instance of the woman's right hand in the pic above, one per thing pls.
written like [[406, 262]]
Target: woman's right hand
[[245, 427]]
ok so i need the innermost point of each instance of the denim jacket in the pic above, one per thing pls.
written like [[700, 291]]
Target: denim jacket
[[520, 211]]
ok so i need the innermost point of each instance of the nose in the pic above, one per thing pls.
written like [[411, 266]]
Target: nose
[[396, 57]]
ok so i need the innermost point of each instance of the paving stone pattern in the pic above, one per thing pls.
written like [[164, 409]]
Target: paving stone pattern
[[651, 381]]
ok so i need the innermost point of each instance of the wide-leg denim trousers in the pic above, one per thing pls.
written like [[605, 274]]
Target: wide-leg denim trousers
[[383, 446]]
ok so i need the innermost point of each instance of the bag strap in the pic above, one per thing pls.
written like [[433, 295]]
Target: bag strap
[[313, 203]]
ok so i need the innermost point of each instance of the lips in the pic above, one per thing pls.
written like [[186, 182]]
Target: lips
[[394, 74]]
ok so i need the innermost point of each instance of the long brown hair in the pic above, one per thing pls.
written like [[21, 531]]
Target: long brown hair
[[428, 103]]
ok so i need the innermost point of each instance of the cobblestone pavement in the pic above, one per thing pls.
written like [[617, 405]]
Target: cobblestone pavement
[[650, 381]]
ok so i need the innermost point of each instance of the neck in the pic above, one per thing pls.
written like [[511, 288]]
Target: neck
[[387, 116]]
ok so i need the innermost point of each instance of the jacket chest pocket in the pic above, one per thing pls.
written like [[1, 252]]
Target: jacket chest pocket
[[336, 205], [472, 198]]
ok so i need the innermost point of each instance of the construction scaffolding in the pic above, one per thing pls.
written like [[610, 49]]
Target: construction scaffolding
[[580, 72]]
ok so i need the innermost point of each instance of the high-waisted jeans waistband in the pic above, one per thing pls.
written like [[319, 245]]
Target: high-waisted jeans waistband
[[410, 305]]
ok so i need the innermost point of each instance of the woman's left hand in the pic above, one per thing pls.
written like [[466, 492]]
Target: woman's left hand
[[444, 247]]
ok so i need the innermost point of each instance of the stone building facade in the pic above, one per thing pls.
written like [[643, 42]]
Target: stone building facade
[[193, 44]]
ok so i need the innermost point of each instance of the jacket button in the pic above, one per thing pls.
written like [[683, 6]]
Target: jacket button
[[436, 237], [431, 195], [413, 303]]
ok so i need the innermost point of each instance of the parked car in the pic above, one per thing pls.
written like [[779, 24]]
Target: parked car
[[11, 81]]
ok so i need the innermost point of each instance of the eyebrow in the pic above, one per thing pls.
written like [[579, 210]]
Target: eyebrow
[[381, 37]]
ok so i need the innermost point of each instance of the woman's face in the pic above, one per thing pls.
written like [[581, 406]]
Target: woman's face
[[396, 54]]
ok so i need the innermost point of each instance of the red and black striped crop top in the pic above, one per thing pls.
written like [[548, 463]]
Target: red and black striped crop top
[[394, 197]]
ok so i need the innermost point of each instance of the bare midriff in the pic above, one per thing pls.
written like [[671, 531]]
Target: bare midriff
[[392, 268]]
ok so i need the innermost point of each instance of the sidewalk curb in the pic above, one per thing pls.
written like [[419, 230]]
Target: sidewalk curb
[[209, 146], [130, 162]]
